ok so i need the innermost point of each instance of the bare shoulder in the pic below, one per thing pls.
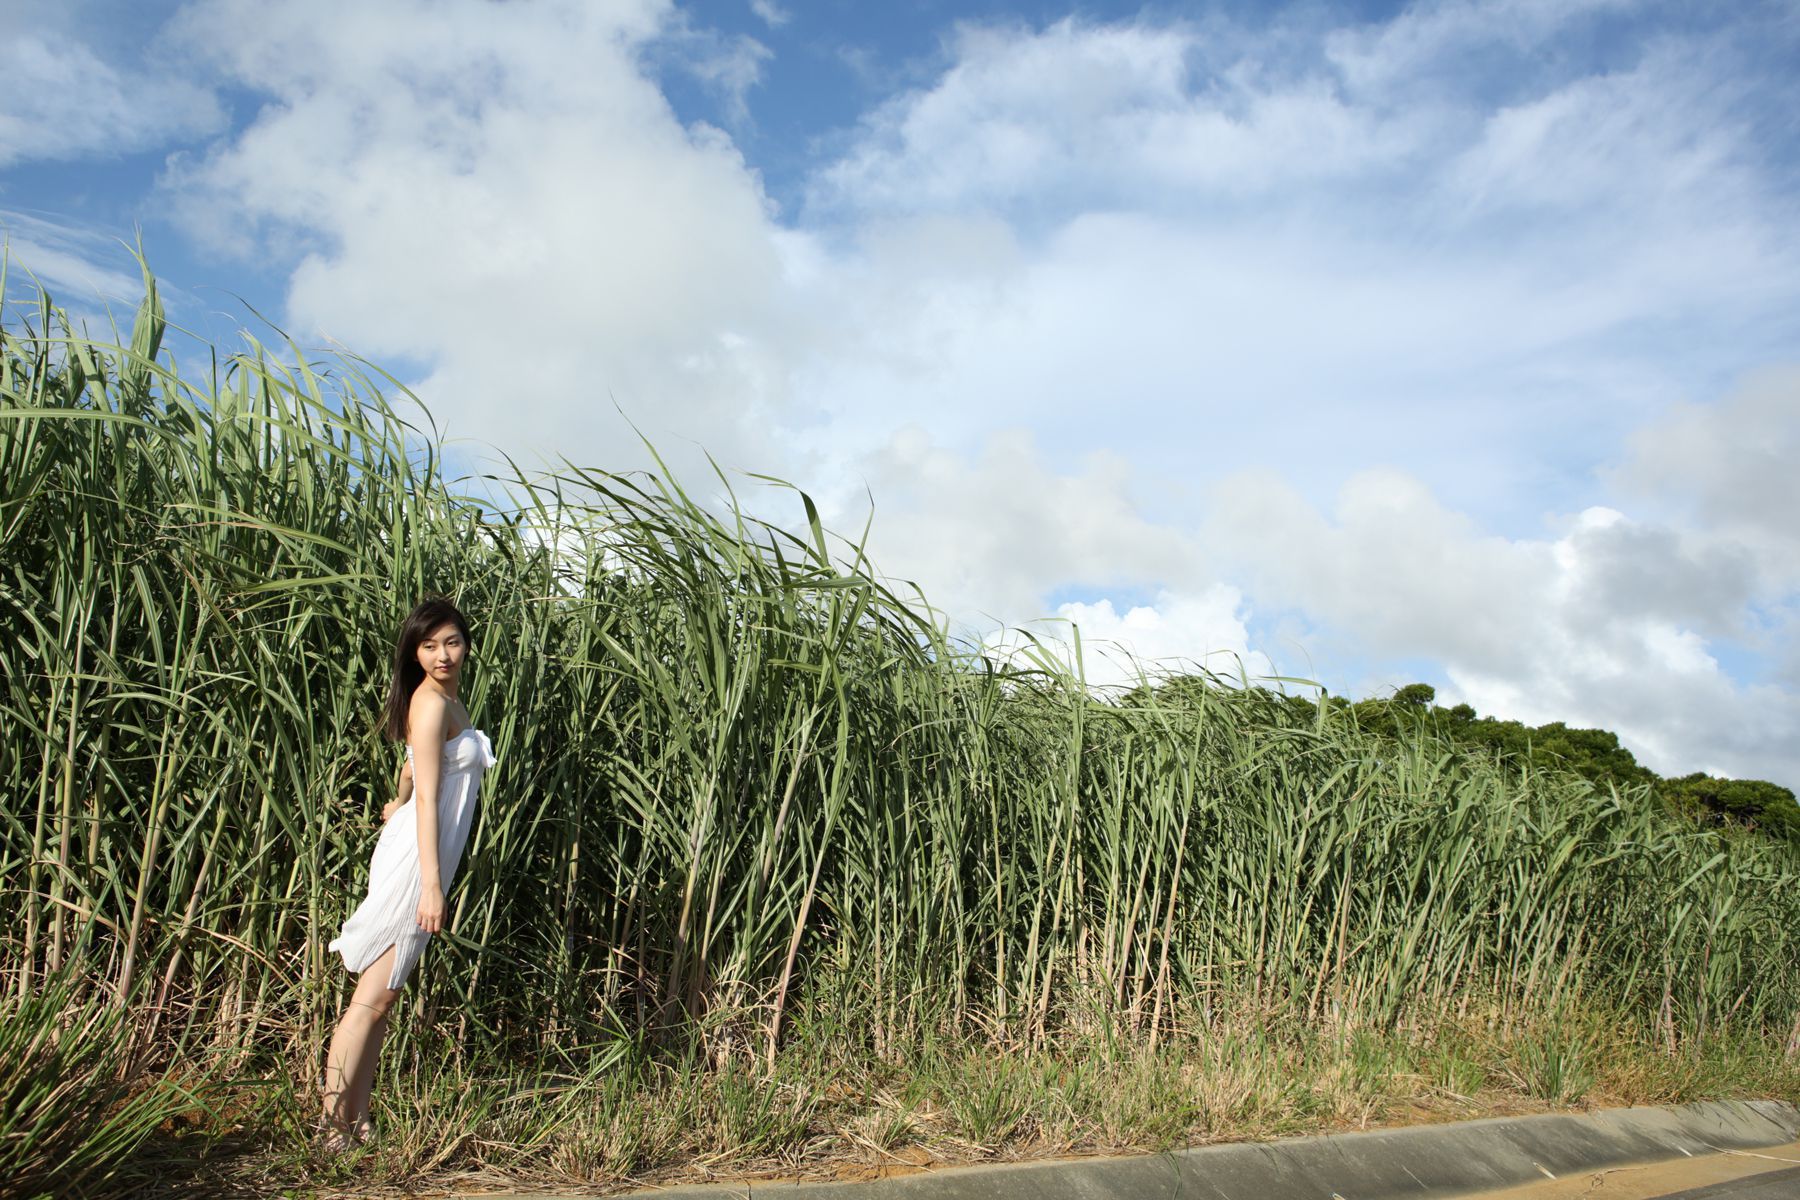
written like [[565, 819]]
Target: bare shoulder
[[427, 717]]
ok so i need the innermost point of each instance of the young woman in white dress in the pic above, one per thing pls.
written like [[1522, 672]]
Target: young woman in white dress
[[415, 858]]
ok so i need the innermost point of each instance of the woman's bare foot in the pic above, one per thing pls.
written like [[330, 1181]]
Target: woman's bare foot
[[331, 1137]]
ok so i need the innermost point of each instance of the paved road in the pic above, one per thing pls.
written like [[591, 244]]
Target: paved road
[[1769, 1174], [1772, 1173], [1651, 1182], [1776, 1185], [1727, 1150]]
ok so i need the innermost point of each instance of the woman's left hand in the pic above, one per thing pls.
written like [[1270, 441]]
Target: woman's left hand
[[431, 909]]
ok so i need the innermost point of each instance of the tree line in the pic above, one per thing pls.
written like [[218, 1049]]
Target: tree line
[[1594, 754]]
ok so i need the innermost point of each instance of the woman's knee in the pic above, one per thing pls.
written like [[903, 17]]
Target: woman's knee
[[377, 1001]]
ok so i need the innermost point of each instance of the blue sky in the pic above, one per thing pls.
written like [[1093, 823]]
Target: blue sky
[[1455, 341]]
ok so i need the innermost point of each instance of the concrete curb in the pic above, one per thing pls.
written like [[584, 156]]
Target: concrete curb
[[1385, 1164]]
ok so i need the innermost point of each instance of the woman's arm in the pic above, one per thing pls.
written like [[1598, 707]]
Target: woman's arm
[[428, 719], [403, 790]]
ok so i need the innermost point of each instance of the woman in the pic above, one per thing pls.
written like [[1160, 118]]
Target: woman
[[416, 857]]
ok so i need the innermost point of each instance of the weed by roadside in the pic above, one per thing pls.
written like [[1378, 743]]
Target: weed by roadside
[[831, 1108]]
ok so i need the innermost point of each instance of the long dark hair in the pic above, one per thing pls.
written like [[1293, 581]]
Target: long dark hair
[[426, 616]]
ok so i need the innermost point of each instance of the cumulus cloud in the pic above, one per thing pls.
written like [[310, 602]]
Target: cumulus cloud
[[524, 215], [1729, 469], [1178, 633], [1610, 623], [992, 535]]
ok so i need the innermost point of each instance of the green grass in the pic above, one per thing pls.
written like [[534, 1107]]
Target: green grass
[[74, 1112], [830, 1109], [748, 790]]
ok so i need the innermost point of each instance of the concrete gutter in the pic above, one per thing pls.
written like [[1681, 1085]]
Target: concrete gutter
[[1386, 1164]]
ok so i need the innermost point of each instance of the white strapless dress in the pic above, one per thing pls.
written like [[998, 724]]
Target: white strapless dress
[[388, 916]]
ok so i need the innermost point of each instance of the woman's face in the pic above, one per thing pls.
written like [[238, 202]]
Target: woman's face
[[441, 653]]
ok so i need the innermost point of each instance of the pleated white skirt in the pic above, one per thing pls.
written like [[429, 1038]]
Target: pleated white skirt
[[388, 915]]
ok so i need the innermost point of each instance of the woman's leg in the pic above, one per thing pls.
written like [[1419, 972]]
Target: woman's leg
[[350, 1059], [362, 1080]]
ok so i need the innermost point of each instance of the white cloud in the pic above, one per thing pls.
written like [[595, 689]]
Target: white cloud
[[1608, 624], [1389, 563], [77, 266], [728, 66], [525, 214], [1179, 633], [62, 101], [992, 535], [1729, 469], [1078, 115], [1443, 48], [770, 13]]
